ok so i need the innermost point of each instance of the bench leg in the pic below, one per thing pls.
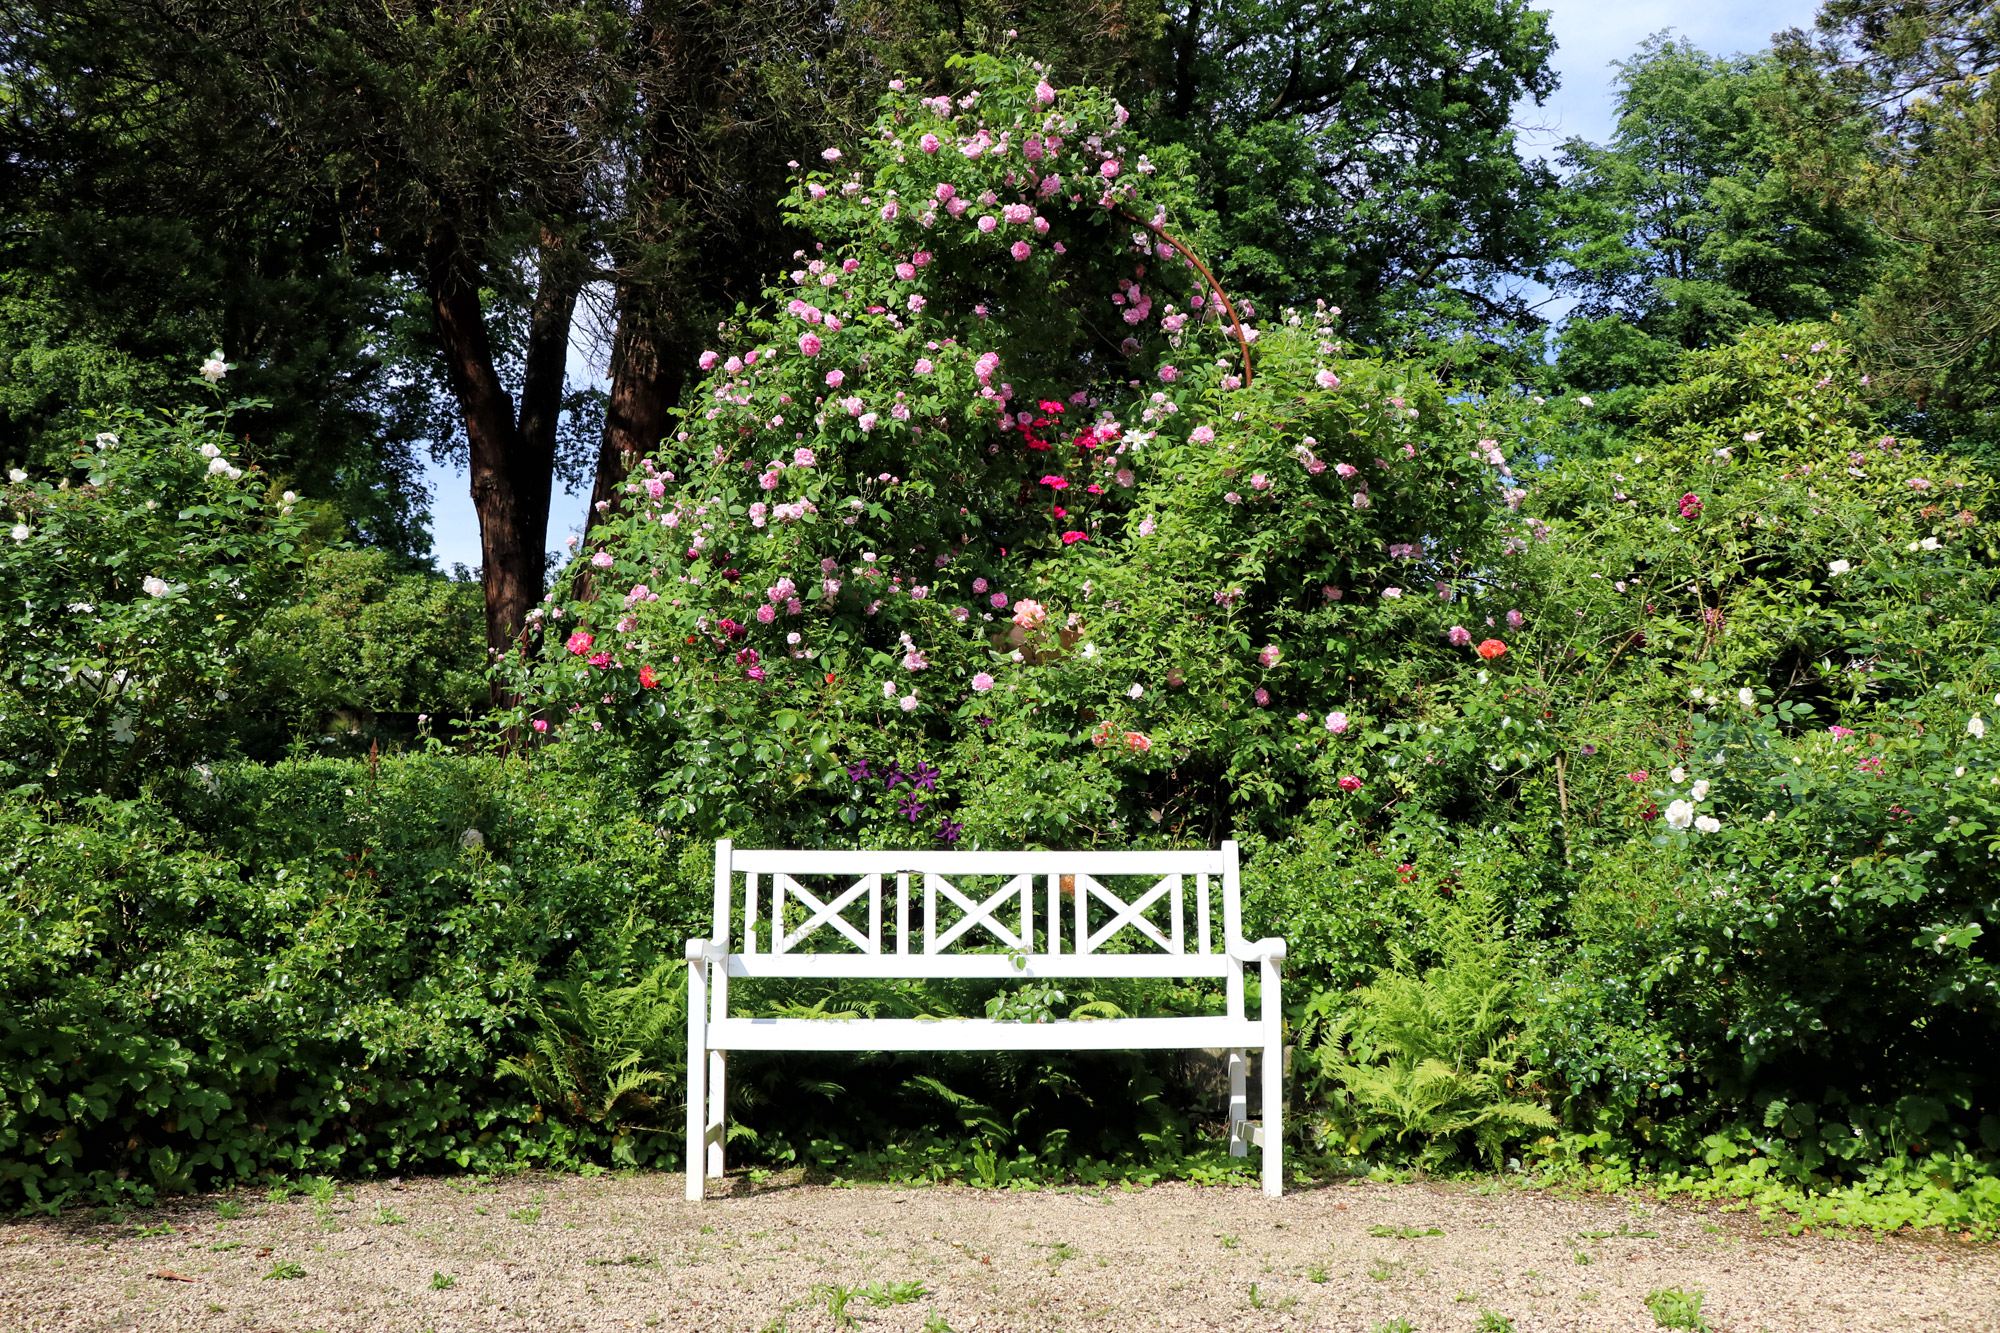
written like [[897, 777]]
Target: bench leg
[[1274, 1084], [1239, 1104], [697, 1057], [717, 1087]]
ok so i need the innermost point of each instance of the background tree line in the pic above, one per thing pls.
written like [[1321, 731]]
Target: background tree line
[[393, 218]]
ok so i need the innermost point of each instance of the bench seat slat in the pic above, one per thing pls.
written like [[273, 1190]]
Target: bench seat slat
[[990, 966], [980, 1034]]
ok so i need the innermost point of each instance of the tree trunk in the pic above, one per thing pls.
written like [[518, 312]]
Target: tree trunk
[[648, 372], [512, 458]]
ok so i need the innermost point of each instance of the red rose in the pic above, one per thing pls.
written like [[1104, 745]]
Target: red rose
[[648, 677], [1491, 648]]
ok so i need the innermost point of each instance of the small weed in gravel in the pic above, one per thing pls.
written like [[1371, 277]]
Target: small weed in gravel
[[229, 1210], [837, 1298], [1381, 1232], [443, 1281], [527, 1216], [225, 1246], [936, 1324], [385, 1216], [629, 1261], [1317, 1273], [1492, 1321], [1394, 1326], [284, 1271], [1674, 1308], [893, 1293], [324, 1192], [1381, 1270], [1230, 1242], [161, 1229], [280, 1192]]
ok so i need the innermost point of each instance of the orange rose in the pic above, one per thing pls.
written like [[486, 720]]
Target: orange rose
[[1491, 648]]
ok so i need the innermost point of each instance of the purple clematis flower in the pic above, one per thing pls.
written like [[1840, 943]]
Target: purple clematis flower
[[858, 771], [892, 776], [912, 807], [948, 831], [925, 777]]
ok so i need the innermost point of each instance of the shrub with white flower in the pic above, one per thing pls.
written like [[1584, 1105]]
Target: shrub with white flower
[[143, 679]]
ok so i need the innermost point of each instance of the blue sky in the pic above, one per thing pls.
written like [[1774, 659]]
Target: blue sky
[[1590, 35]]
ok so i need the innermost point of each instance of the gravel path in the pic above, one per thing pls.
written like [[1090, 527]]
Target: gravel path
[[561, 1253]]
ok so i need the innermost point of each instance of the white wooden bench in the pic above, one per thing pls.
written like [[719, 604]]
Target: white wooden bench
[[928, 913]]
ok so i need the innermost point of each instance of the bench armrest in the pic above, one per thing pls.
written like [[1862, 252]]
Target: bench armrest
[[1270, 947], [698, 949]]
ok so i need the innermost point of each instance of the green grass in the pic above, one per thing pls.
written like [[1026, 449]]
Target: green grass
[[229, 1210], [443, 1281], [283, 1271], [1492, 1321], [1382, 1232], [385, 1216]]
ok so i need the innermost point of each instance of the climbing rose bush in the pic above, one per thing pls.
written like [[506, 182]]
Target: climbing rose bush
[[997, 481]]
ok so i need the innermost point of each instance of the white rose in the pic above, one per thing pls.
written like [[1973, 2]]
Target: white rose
[[155, 586], [472, 840], [1838, 567], [1585, 401], [1137, 691], [21, 532], [1977, 727], [1678, 775], [1708, 824], [292, 498], [16, 475], [213, 369], [1747, 697], [1700, 791], [106, 440], [888, 689], [1680, 814], [1929, 543], [218, 466], [209, 451]]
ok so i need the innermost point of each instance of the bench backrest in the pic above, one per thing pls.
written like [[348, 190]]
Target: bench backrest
[[920, 914]]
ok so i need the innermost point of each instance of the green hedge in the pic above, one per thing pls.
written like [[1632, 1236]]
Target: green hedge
[[303, 969]]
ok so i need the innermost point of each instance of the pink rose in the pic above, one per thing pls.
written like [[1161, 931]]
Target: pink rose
[[809, 344], [929, 143], [1020, 250]]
